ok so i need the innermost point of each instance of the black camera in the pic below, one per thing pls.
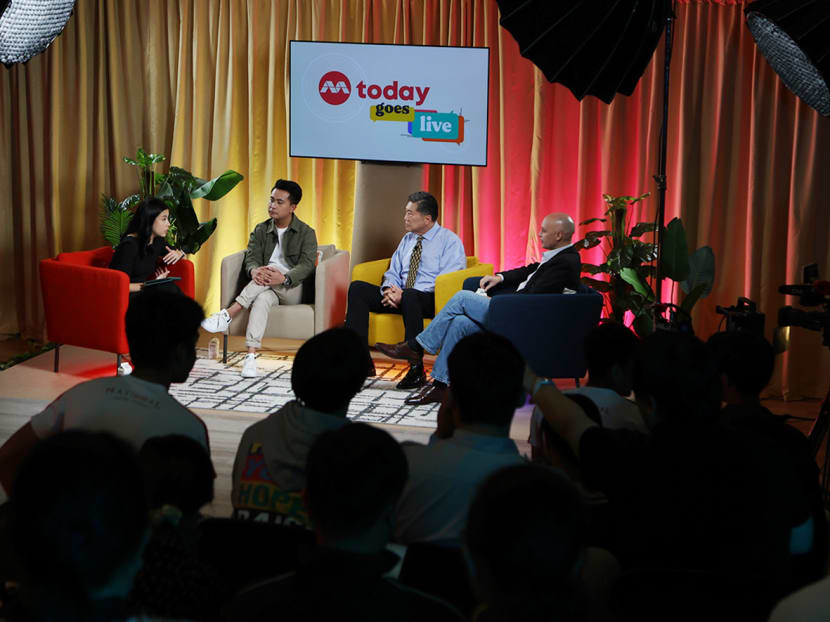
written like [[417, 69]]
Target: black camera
[[743, 317], [812, 293]]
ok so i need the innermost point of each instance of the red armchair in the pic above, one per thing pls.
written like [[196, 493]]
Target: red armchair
[[86, 302]]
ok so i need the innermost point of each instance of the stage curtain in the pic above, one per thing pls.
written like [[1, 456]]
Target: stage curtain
[[206, 83]]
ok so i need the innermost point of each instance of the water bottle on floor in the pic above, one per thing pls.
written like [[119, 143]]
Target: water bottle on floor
[[213, 349]]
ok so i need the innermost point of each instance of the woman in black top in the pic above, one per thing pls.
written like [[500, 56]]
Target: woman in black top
[[144, 244]]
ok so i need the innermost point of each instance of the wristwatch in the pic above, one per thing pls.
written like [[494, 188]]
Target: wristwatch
[[287, 282]]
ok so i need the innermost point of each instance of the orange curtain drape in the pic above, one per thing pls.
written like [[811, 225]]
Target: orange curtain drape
[[206, 83]]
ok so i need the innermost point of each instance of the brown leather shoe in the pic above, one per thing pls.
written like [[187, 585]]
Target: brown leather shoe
[[400, 351], [429, 394]]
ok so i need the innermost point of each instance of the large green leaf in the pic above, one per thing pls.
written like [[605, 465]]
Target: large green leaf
[[633, 278], [641, 228], [692, 297], [186, 221], [643, 324], [675, 251], [114, 226], [594, 269], [644, 252], [701, 272], [108, 205], [217, 187], [129, 201], [193, 241], [600, 286], [590, 220]]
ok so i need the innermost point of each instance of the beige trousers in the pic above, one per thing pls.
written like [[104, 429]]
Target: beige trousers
[[259, 299]]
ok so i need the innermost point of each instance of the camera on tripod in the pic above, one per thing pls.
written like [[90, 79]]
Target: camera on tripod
[[743, 317], [812, 293]]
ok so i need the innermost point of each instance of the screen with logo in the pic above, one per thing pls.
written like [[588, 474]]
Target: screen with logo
[[400, 103]]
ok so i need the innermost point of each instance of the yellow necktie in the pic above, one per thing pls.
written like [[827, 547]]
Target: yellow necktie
[[414, 262]]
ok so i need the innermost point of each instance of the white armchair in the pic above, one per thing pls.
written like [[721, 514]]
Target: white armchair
[[323, 298]]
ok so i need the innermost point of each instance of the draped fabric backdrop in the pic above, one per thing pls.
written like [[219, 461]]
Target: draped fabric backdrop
[[206, 83]]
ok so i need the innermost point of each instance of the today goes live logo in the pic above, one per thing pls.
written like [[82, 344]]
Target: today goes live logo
[[335, 88]]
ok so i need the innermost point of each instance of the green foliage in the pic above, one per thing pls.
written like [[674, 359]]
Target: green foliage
[[629, 268], [177, 189]]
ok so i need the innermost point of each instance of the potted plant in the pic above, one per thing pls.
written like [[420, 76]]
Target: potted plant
[[177, 188], [629, 268]]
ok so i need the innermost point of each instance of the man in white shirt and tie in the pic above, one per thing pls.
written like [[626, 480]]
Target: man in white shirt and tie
[[466, 311], [408, 287]]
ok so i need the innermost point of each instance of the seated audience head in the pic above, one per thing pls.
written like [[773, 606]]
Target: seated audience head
[[177, 472], [556, 231], [151, 217], [162, 330], [354, 477], [524, 538], [420, 212], [486, 374], [610, 349], [746, 364], [329, 370], [295, 193], [79, 522], [676, 378]]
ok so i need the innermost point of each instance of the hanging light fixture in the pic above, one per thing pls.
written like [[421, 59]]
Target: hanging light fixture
[[794, 36], [27, 27]]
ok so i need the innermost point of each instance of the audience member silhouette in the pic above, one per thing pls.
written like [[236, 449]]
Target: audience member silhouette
[[610, 349], [173, 582], [79, 526], [746, 363], [269, 469], [471, 442], [525, 537], [162, 329], [695, 494], [354, 477]]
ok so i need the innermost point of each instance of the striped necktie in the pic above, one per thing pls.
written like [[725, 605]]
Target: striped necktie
[[414, 262]]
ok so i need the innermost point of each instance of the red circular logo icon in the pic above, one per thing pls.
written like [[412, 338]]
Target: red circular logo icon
[[334, 88]]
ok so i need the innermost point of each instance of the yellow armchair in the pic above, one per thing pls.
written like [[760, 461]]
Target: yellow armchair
[[388, 327]]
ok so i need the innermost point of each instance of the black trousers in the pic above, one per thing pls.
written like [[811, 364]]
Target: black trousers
[[365, 298]]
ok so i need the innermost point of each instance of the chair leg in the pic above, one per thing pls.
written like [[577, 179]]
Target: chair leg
[[225, 349], [577, 382], [57, 356], [117, 363]]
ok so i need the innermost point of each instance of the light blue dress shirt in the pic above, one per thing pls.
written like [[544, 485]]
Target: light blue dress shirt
[[441, 251]]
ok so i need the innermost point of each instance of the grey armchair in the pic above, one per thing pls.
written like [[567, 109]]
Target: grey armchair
[[323, 298]]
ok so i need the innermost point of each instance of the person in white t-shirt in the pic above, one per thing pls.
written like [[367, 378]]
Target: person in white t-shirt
[[609, 353], [162, 329]]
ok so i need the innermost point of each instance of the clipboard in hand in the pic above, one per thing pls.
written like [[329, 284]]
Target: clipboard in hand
[[167, 279]]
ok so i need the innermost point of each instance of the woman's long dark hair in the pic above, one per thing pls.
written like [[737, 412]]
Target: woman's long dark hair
[[142, 221]]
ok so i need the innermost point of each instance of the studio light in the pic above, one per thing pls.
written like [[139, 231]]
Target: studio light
[[794, 36], [593, 47], [27, 27]]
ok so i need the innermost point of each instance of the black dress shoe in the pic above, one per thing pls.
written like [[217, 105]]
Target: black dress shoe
[[414, 378], [400, 351], [429, 394]]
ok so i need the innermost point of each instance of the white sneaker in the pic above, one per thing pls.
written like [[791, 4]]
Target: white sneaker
[[249, 366], [125, 369], [217, 323]]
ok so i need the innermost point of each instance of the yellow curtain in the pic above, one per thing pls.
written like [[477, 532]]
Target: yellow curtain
[[206, 83]]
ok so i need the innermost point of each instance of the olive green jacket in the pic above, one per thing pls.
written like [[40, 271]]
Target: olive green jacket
[[300, 252]]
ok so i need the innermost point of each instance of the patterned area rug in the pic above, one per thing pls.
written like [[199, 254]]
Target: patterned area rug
[[214, 385]]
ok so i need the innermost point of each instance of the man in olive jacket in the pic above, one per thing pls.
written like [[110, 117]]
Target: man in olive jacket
[[280, 256]]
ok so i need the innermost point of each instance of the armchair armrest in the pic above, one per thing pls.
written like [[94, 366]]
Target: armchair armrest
[[331, 284], [229, 278], [371, 271], [448, 284], [85, 306], [184, 269], [547, 329]]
